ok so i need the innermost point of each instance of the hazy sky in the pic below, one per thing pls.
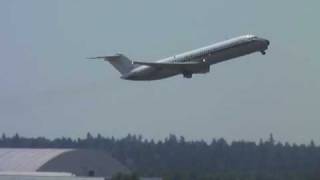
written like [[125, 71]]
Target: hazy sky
[[48, 88]]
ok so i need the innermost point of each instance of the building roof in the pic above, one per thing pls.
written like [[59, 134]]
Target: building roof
[[27, 177], [27, 160], [35, 174], [76, 161]]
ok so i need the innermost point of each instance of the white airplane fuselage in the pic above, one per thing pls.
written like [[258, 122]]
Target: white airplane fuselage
[[212, 54], [197, 61]]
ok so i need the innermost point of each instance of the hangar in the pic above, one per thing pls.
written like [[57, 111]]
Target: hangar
[[80, 162]]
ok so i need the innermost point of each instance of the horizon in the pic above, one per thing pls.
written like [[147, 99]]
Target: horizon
[[178, 137]]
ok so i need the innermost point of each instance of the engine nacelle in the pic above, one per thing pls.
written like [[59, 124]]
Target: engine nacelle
[[199, 70]]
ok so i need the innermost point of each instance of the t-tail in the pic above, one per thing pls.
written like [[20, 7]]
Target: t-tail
[[122, 63]]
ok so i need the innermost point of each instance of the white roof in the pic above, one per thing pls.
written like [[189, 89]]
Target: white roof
[[26, 160], [43, 174]]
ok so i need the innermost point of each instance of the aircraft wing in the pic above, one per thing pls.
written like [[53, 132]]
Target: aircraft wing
[[175, 65]]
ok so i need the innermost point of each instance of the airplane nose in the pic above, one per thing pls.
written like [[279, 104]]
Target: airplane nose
[[267, 42]]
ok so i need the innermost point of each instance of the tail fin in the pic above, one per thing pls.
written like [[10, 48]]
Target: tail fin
[[119, 61]]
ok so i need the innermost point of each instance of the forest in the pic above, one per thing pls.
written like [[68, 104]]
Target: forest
[[175, 158]]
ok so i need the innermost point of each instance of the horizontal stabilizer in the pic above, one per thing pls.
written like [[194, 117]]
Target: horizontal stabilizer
[[105, 57]]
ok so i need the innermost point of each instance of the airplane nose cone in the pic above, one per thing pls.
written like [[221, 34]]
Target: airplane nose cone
[[267, 42]]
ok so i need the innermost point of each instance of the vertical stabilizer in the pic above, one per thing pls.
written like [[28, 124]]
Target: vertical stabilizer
[[119, 61]]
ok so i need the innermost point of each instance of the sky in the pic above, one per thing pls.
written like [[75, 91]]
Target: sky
[[49, 88]]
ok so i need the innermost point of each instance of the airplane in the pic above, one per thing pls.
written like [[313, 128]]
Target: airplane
[[197, 61]]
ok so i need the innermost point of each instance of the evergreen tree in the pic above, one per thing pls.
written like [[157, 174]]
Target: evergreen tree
[[178, 158]]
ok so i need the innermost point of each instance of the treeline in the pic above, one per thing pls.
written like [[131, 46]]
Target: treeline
[[177, 158]]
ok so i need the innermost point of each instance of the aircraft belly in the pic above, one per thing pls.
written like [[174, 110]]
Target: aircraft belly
[[153, 74], [162, 73]]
